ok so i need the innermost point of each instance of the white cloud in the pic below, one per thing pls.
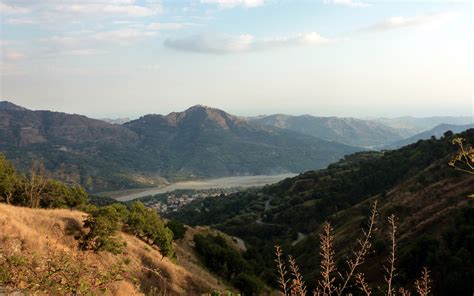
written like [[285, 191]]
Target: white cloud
[[235, 3], [426, 20], [9, 55], [20, 21], [9, 9], [349, 3], [220, 44], [109, 9]]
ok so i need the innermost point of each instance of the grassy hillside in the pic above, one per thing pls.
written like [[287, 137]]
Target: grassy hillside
[[39, 247], [415, 183]]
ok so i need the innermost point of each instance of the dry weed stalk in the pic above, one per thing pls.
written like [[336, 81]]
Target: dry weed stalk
[[359, 255], [363, 286], [298, 287], [423, 284], [390, 269], [464, 160], [404, 292], [282, 281], [328, 266], [326, 286]]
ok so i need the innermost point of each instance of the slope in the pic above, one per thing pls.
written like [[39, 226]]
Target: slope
[[437, 131], [350, 131], [414, 182], [44, 250]]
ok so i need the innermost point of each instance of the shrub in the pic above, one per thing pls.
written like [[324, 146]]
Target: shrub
[[103, 224], [177, 228]]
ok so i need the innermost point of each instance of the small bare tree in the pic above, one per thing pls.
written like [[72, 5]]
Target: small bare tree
[[35, 184]]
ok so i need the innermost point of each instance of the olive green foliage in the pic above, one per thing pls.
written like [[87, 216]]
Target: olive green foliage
[[103, 224], [227, 262], [36, 190], [177, 228], [147, 224]]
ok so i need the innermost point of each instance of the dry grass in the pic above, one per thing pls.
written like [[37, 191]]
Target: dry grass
[[49, 235]]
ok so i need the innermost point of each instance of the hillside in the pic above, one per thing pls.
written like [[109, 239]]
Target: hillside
[[411, 126], [437, 132], [414, 182], [200, 142], [204, 141], [350, 131], [46, 239]]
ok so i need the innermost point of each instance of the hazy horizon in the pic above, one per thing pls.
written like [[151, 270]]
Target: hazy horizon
[[132, 117], [351, 58]]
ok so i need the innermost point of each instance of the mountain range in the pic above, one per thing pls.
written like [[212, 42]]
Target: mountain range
[[350, 131], [200, 142]]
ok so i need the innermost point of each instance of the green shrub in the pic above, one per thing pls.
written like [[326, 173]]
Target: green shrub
[[177, 228]]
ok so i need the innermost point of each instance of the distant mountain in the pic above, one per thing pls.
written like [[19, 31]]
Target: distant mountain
[[119, 121], [350, 131], [204, 141], [437, 132], [410, 126], [197, 143], [5, 105]]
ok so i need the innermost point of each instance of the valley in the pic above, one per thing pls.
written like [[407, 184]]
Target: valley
[[219, 183]]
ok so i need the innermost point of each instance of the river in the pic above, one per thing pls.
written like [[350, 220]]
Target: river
[[227, 182]]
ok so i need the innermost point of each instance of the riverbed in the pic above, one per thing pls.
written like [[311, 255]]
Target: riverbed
[[227, 182]]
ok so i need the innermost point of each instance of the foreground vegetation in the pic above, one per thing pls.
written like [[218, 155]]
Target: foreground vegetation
[[415, 182]]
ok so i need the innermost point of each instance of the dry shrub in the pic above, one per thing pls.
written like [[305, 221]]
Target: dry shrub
[[329, 284]]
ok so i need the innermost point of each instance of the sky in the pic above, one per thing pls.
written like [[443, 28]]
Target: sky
[[126, 58]]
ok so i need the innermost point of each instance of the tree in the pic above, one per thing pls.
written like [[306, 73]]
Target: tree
[[9, 180], [148, 225], [34, 185], [177, 228], [103, 224]]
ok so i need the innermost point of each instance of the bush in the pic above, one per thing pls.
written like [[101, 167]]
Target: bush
[[177, 228], [103, 224], [248, 284], [148, 225]]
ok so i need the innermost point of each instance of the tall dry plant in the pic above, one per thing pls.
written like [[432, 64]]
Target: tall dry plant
[[294, 284], [328, 266], [298, 286], [464, 160], [423, 284], [281, 266], [364, 245], [390, 269]]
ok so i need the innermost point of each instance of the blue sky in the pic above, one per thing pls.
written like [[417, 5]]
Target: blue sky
[[323, 57]]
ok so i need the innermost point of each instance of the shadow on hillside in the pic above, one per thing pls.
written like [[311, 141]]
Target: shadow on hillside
[[73, 228]]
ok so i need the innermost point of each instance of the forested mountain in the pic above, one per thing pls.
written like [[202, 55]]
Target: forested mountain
[[437, 131], [209, 142], [197, 143], [430, 199], [410, 126], [350, 131]]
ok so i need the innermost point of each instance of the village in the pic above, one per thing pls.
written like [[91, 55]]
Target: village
[[173, 201]]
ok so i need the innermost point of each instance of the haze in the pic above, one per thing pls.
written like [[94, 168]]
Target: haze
[[330, 57]]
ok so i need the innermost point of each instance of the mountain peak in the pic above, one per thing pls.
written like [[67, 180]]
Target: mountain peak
[[6, 105], [204, 116]]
